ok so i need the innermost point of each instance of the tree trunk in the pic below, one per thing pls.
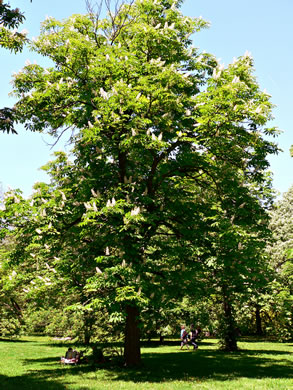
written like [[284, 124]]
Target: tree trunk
[[87, 338], [132, 337], [88, 326], [258, 320], [229, 341]]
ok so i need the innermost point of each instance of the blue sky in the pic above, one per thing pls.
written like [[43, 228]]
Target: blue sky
[[263, 27]]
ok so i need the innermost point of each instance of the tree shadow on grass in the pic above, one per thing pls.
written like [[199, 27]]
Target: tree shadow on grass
[[43, 378], [261, 352], [217, 365], [179, 365], [52, 360], [29, 382], [170, 343], [13, 340]]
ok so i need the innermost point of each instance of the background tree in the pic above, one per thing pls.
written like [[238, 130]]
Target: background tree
[[163, 138], [277, 303], [268, 309], [12, 296], [10, 19]]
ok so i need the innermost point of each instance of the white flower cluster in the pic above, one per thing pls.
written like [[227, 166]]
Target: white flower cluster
[[135, 211], [111, 203]]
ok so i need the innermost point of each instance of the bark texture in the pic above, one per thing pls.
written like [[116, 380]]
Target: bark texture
[[259, 331], [229, 332], [132, 355]]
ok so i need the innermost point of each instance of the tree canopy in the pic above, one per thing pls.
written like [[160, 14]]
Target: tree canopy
[[168, 167]]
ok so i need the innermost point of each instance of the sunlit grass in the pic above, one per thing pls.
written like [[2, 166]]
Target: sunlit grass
[[33, 363]]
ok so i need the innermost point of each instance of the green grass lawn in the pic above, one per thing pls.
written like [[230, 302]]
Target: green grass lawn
[[33, 363]]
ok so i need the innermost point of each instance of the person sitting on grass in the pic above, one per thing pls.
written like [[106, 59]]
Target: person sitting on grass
[[69, 354], [71, 357]]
